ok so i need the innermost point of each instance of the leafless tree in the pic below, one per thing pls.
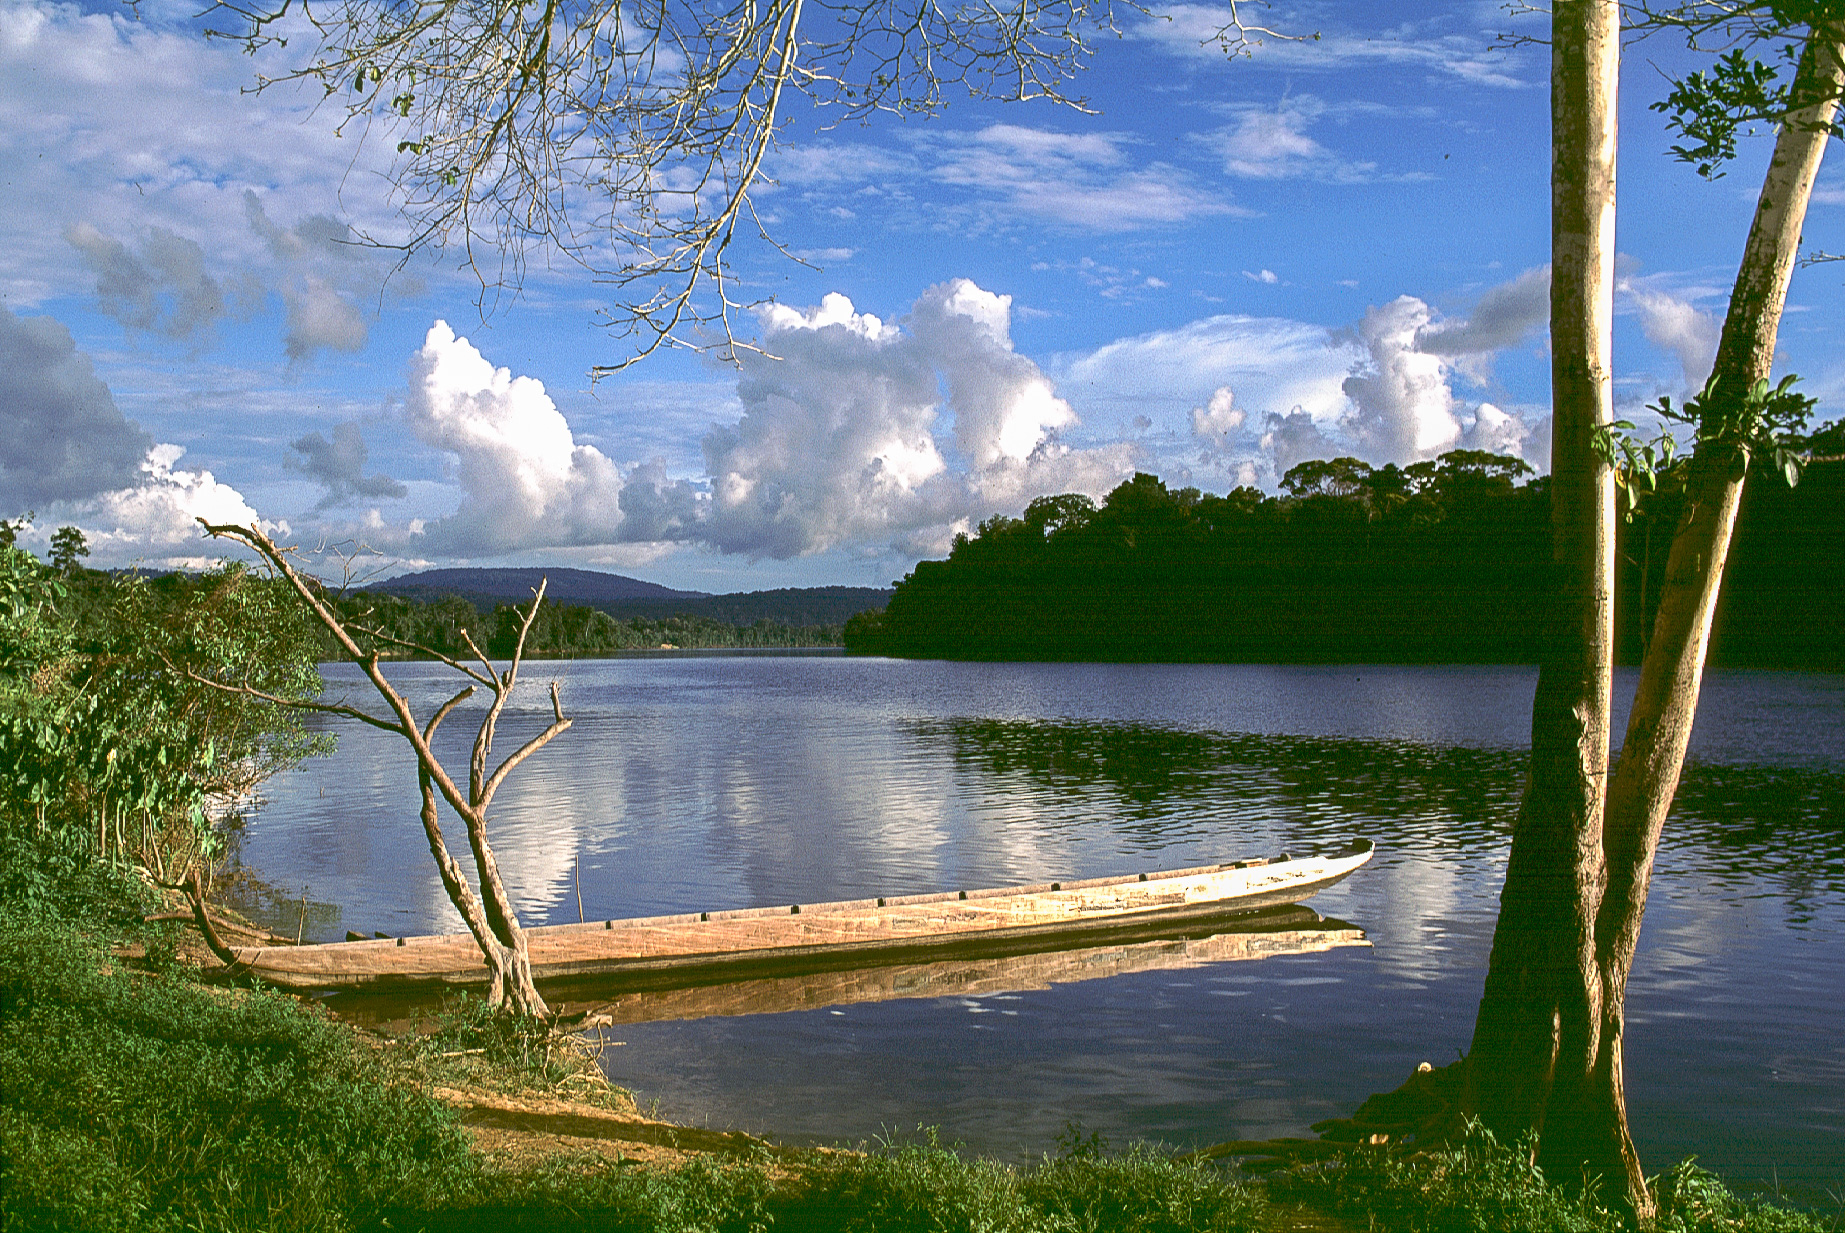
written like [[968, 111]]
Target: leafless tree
[[489, 914], [628, 137]]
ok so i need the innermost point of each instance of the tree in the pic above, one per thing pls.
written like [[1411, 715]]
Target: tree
[[490, 915], [1049, 515], [1337, 477], [629, 138], [11, 527], [1536, 1036], [1547, 1048], [107, 749], [67, 545]]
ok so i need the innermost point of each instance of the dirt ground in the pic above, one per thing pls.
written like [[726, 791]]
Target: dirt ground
[[522, 1130]]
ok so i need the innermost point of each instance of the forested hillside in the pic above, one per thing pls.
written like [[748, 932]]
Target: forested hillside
[[1439, 562], [560, 629], [429, 607]]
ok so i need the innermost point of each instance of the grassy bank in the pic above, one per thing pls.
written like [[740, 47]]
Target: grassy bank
[[136, 1098]]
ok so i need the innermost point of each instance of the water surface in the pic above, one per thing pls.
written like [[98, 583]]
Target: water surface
[[702, 782]]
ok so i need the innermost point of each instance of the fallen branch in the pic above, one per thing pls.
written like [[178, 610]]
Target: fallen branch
[[195, 891]]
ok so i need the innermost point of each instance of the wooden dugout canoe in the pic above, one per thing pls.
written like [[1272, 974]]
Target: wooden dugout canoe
[[712, 947], [1265, 933]]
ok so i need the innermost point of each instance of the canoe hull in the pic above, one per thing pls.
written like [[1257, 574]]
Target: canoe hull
[[713, 947]]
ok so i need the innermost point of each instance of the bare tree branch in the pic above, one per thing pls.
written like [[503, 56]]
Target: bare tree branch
[[298, 704], [628, 138], [490, 916]]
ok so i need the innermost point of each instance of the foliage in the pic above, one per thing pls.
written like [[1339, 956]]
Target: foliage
[[31, 638], [589, 1196], [106, 742], [560, 630], [1693, 1200], [50, 880], [67, 547], [924, 1186], [11, 527], [145, 1102], [1475, 1186], [1444, 561], [1139, 1191], [1354, 562], [1740, 90], [1766, 424]]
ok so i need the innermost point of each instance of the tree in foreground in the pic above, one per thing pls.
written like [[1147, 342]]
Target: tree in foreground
[[109, 752], [1546, 1057], [489, 913]]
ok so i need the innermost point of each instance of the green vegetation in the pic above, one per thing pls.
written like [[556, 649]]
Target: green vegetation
[[1481, 1186], [561, 630], [133, 1097], [1446, 561], [110, 746], [146, 1101]]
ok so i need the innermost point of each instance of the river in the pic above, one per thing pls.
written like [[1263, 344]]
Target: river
[[695, 782]]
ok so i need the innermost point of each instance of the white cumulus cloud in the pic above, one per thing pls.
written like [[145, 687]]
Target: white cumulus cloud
[[526, 483], [1402, 406], [1266, 393], [156, 520], [842, 440], [1678, 326], [1217, 419]]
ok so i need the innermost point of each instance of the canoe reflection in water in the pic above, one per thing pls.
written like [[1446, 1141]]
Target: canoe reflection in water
[[1260, 934]]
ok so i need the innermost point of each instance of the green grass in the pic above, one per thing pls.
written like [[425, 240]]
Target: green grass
[[916, 1188], [143, 1102], [1482, 1186]]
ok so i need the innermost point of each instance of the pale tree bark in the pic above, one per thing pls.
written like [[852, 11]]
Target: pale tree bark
[[1547, 1052], [1539, 1016], [1666, 699], [490, 915]]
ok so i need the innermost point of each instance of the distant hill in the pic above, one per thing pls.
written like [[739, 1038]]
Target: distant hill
[[487, 587], [625, 597]]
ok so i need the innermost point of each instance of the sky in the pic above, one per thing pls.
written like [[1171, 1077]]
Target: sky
[[1223, 267]]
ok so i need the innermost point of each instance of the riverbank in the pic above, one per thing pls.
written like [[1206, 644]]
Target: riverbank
[[139, 1098]]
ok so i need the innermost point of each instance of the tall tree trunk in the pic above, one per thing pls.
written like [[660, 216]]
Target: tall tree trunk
[[1666, 699], [1540, 1014], [1547, 1052], [512, 964]]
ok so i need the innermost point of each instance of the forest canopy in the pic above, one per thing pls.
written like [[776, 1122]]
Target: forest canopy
[[1442, 561]]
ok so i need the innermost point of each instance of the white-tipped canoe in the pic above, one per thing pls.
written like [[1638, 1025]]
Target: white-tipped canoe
[[710, 947]]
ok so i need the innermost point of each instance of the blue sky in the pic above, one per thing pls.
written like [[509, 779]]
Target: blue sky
[[1335, 246]]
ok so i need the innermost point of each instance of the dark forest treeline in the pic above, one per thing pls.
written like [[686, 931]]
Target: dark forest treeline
[[1439, 562], [560, 629]]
